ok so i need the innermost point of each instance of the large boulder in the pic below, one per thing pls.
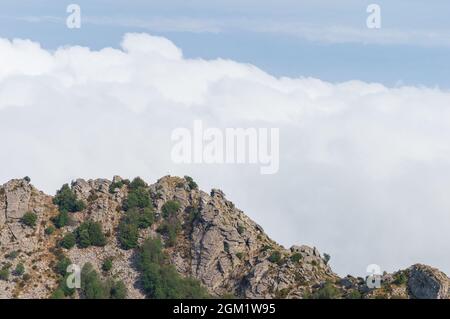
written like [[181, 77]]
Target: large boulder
[[17, 197], [427, 283]]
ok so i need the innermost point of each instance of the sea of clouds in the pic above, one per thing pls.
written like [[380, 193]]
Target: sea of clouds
[[364, 169]]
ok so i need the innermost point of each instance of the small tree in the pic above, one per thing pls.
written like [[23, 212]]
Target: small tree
[[29, 219], [67, 200], [50, 230], [296, 257], [138, 183], [128, 234], [328, 291], [147, 217], [119, 290], [192, 184], [90, 234], [62, 264], [107, 264], [62, 219], [68, 241], [326, 258], [58, 294], [4, 273], [20, 270], [137, 198], [275, 257], [170, 208]]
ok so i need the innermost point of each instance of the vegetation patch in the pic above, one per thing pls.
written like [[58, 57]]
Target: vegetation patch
[[160, 280]]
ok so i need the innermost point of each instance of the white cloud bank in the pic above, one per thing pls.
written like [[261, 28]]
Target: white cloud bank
[[364, 169]]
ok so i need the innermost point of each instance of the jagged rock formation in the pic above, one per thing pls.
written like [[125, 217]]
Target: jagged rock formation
[[218, 244]]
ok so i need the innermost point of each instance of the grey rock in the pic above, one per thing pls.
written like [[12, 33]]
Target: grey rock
[[17, 196], [427, 283]]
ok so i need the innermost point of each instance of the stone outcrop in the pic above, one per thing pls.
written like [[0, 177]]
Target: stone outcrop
[[17, 194], [218, 244], [427, 283]]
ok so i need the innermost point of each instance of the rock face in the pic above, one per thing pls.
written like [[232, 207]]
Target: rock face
[[217, 244], [17, 198], [427, 283]]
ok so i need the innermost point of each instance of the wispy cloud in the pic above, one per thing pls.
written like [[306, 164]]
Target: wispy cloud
[[310, 32]]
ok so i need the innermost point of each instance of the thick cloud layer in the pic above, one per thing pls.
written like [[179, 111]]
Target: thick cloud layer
[[364, 169]]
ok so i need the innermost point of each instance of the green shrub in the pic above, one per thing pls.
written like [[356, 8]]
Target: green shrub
[[170, 208], [90, 234], [50, 230], [328, 291], [275, 257], [194, 214], [92, 287], [191, 183], [226, 247], [67, 200], [147, 217], [240, 229], [142, 218], [139, 214], [296, 257], [62, 264], [63, 286], [170, 229], [240, 255], [161, 280], [4, 273], [326, 258], [107, 264], [29, 219], [12, 255], [137, 198], [354, 294], [115, 185], [138, 183], [400, 278], [128, 234], [62, 219], [119, 290], [68, 241], [58, 294], [20, 270]]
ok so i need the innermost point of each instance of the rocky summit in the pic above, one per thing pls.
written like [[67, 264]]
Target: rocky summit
[[165, 240]]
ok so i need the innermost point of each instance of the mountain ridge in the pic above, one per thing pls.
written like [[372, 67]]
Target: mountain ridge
[[204, 236]]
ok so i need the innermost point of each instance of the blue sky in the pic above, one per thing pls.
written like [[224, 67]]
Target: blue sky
[[323, 39]]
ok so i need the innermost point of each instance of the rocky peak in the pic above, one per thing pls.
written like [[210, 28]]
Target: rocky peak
[[215, 243], [426, 282]]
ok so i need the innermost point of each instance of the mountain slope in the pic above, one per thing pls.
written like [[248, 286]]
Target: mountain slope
[[205, 237]]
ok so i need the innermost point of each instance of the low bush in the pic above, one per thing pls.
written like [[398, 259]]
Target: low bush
[[68, 241], [29, 219], [275, 257], [170, 208], [67, 200], [161, 280], [90, 234], [107, 264]]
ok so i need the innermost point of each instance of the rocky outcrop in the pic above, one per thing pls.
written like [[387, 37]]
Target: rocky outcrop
[[427, 283], [217, 244], [17, 194]]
